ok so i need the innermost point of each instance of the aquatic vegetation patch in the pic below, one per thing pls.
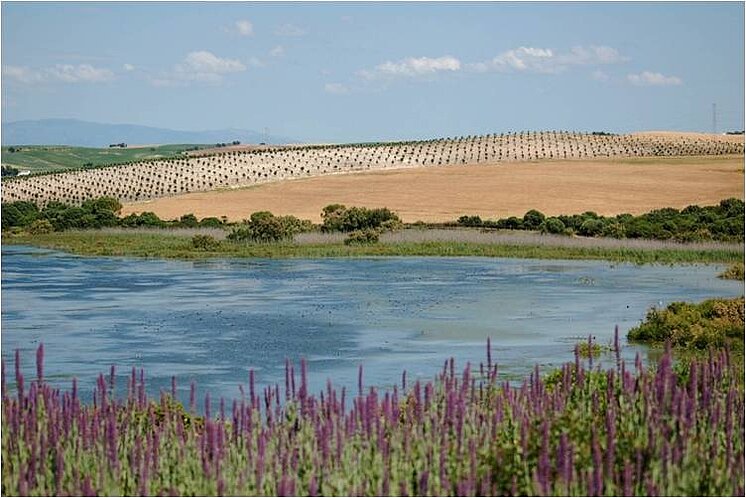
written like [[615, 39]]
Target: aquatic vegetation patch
[[714, 322]]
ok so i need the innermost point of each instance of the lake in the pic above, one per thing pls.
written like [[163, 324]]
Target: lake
[[212, 321]]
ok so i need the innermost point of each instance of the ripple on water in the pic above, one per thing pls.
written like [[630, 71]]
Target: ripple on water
[[212, 321]]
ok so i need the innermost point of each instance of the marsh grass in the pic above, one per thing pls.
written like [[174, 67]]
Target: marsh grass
[[177, 243], [734, 272]]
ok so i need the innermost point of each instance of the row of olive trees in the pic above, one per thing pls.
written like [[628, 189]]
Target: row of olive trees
[[149, 179]]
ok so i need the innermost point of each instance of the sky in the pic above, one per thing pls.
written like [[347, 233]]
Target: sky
[[345, 72]]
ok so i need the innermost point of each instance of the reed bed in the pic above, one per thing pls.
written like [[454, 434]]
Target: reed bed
[[580, 431], [518, 238]]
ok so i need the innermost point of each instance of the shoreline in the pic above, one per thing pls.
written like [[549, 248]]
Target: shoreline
[[160, 246]]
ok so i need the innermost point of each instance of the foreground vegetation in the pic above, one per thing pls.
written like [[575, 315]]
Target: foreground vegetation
[[623, 431]]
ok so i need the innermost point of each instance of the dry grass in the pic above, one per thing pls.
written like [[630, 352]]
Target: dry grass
[[218, 233], [517, 238], [443, 193]]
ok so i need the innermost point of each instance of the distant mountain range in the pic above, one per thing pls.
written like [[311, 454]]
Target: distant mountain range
[[88, 134]]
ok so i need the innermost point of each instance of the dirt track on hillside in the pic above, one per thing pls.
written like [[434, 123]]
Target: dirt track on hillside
[[490, 191]]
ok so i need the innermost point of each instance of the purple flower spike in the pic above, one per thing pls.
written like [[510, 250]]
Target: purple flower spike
[[40, 363]]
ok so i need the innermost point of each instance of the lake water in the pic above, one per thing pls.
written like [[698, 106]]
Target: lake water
[[211, 321]]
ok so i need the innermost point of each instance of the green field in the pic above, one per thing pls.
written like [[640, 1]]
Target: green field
[[47, 158]]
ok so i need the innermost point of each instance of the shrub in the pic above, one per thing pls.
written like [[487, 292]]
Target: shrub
[[341, 219], [263, 226], [102, 204], [205, 242], [40, 227], [734, 272], [533, 219], [591, 228], [19, 214], [553, 225], [714, 322], [211, 222], [188, 221], [470, 221], [512, 223], [365, 236]]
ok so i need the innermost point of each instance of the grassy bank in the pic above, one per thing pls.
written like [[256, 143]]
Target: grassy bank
[[160, 244]]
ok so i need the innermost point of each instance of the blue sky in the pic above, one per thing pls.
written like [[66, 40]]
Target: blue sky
[[366, 71]]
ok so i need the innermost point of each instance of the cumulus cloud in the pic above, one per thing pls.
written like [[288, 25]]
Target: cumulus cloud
[[203, 61], [336, 88], [277, 51], [23, 74], [412, 67], [244, 28], [128, 67], [67, 73], [290, 30], [202, 67], [648, 78], [546, 60]]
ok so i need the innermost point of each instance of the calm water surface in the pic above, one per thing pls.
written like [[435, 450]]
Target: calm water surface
[[210, 322]]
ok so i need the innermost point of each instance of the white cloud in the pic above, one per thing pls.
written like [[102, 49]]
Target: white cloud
[[203, 61], [80, 73], [23, 74], [336, 88], [244, 28], [647, 78], [277, 51], [411, 67], [128, 67], [546, 60], [67, 73], [290, 30], [201, 67]]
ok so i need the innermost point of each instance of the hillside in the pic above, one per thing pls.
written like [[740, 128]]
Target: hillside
[[153, 179], [89, 134], [49, 158]]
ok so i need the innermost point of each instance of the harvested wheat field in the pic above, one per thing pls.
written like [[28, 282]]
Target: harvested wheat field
[[442, 193]]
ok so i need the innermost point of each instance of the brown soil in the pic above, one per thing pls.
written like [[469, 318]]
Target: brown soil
[[433, 194]]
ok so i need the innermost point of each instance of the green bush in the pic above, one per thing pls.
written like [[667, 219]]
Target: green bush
[[40, 227], [188, 221], [365, 236], [714, 322], [591, 228], [19, 214], [338, 218], [205, 242], [553, 225], [263, 226], [734, 272], [211, 222], [533, 219], [470, 221]]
